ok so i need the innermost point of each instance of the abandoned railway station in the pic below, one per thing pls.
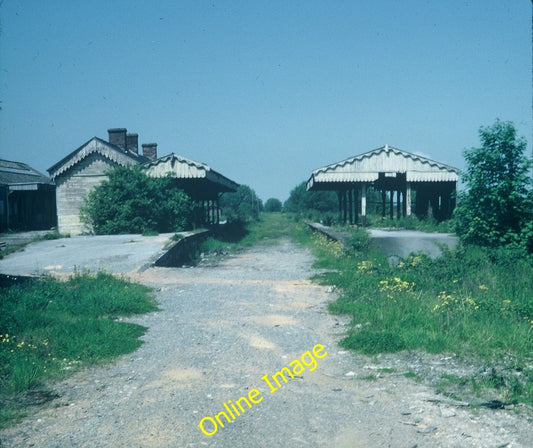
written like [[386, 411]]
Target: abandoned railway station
[[406, 184], [86, 167]]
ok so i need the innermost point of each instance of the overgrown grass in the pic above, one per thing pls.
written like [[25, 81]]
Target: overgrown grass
[[408, 223], [50, 328], [267, 230], [413, 223], [473, 302]]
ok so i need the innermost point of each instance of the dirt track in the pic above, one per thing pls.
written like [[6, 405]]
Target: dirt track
[[221, 329]]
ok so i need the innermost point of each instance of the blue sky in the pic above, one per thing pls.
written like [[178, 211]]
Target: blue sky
[[262, 91]]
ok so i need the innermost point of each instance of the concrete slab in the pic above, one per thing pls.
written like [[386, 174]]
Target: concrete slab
[[17, 239], [119, 254], [401, 243]]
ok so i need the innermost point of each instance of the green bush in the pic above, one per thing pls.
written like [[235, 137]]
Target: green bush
[[359, 241], [131, 202], [497, 209]]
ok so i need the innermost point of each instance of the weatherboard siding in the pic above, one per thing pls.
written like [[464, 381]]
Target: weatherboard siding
[[72, 189]]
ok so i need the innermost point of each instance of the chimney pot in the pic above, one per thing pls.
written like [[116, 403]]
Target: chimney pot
[[117, 136], [150, 150], [132, 142]]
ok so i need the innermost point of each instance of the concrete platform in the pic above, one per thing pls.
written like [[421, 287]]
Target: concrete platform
[[118, 254], [401, 243]]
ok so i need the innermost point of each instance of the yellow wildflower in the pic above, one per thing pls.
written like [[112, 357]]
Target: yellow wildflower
[[364, 265]]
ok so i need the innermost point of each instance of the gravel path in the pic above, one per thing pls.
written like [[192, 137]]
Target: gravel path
[[221, 329]]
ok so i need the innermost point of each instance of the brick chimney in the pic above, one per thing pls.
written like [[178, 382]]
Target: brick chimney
[[150, 150], [132, 142], [117, 136]]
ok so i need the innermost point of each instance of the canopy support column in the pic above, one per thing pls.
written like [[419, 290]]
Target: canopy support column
[[363, 204], [408, 199]]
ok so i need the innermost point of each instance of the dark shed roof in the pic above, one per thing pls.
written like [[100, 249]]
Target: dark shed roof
[[20, 176]]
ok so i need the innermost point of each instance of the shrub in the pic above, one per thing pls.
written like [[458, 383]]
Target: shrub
[[131, 202], [359, 241]]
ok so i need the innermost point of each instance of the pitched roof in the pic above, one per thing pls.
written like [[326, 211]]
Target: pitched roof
[[387, 159], [183, 169], [96, 145], [20, 176]]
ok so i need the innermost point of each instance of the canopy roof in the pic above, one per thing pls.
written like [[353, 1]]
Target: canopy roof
[[386, 161], [196, 178]]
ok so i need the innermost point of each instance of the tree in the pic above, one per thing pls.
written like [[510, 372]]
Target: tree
[[497, 209], [273, 205], [301, 200], [131, 202], [243, 205]]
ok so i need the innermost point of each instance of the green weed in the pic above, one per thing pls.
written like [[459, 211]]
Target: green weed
[[49, 329], [412, 375], [475, 302], [426, 224], [369, 378], [267, 230]]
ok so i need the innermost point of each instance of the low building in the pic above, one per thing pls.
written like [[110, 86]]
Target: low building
[[27, 198], [398, 175], [83, 169]]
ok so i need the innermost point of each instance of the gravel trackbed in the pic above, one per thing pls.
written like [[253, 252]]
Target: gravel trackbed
[[222, 328]]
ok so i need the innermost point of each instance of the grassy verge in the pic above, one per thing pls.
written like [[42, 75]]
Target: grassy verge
[[49, 329], [267, 230], [472, 302]]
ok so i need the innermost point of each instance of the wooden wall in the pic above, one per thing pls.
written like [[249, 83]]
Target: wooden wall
[[72, 189]]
